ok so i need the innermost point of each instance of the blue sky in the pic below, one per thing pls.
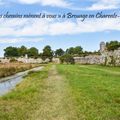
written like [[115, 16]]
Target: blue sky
[[58, 33]]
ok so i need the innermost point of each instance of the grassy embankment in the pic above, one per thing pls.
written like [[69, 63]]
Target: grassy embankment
[[75, 92], [12, 68], [22, 102]]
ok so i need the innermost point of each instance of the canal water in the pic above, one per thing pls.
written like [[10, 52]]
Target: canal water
[[9, 83]]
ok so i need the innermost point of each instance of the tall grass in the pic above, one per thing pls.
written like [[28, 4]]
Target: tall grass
[[12, 68]]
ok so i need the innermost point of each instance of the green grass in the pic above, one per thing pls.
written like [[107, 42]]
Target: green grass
[[95, 90], [72, 92], [22, 102]]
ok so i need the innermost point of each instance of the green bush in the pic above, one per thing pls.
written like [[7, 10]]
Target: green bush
[[67, 58]]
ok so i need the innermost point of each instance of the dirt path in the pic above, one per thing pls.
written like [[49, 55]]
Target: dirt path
[[56, 101]]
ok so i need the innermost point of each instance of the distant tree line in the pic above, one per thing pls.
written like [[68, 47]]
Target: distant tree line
[[31, 52], [64, 55], [47, 52], [112, 45], [19, 52]]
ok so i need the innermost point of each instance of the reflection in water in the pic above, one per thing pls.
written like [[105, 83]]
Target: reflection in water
[[6, 86]]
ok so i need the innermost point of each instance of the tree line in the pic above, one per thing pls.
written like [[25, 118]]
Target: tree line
[[64, 55], [47, 52], [19, 52]]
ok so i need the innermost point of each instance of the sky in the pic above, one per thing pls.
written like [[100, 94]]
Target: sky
[[58, 32]]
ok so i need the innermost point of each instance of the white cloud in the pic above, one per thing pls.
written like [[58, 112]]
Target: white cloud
[[58, 3], [70, 28], [40, 27], [53, 3], [19, 40], [104, 4], [96, 4]]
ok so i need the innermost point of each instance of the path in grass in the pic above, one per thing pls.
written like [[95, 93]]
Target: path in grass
[[56, 102], [75, 92]]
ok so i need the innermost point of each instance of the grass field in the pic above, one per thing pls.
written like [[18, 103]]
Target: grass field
[[65, 92], [95, 90]]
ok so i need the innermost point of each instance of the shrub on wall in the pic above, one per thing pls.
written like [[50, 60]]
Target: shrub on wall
[[67, 58]]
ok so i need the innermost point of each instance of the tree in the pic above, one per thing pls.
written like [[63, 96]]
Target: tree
[[75, 50], [67, 58], [70, 51], [22, 51], [78, 50], [47, 53], [112, 45], [18, 52], [33, 52], [59, 52], [11, 52]]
